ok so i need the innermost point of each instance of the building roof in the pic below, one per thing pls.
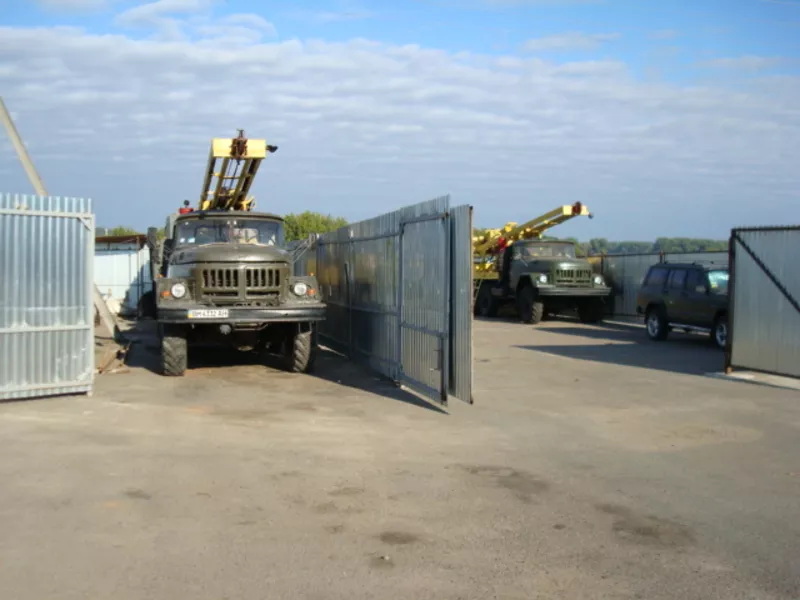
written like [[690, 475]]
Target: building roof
[[139, 239]]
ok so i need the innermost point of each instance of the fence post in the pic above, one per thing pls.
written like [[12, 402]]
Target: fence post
[[731, 294]]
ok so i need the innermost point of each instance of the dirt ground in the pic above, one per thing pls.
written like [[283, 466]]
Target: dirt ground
[[594, 464]]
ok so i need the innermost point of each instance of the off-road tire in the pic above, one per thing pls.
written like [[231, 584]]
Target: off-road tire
[[486, 305], [530, 309], [299, 352], [174, 351], [591, 311], [719, 322], [656, 325]]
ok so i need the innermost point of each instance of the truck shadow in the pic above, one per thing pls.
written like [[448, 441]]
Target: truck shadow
[[688, 354], [329, 366]]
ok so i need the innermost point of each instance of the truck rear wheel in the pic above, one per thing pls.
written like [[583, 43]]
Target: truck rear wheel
[[486, 304], [299, 352], [531, 309], [590, 310], [174, 350]]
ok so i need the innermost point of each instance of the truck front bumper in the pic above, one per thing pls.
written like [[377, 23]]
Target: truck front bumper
[[235, 314], [565, 292]]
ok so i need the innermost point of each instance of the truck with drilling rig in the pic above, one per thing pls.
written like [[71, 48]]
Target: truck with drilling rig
[[222, 273], [515, 265]]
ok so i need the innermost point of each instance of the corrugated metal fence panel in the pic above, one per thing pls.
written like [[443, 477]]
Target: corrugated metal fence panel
[[766, 327], [461, 303], [357, 268], [363, 282], [717, 258], [46, 308], [123, 273], [625, 274]]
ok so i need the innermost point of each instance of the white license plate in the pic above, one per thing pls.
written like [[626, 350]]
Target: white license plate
[[216, 313]]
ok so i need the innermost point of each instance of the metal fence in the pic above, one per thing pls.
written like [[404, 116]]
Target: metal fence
[[46, 309], [398, 290], [764, 292], [625, 273]]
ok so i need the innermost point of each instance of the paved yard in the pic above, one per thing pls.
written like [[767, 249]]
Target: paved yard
[[594, 464]]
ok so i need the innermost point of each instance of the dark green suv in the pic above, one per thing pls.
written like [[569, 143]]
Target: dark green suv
[[688, 296]]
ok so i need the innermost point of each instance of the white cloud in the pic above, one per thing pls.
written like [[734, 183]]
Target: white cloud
[[573, 40], [73, 5], [364, 127], [744, 63]]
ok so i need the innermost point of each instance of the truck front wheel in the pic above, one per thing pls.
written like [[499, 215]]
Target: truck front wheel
[[299, 351], [174, 350], [530, 308]]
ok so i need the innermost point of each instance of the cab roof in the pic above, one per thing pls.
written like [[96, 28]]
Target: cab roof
[[229, 214]]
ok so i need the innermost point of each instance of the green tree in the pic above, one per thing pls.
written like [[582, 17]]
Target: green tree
[[122, 230], [299, 226]]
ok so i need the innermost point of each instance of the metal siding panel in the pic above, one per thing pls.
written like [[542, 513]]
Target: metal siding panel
[[766, 327], [46, 309], [461, 307], [125, 273], [359, 273], [717, 258]]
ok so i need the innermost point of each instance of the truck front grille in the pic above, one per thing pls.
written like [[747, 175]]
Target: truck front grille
[[262, 279], [573, 276], [239, 285], [220, 279]]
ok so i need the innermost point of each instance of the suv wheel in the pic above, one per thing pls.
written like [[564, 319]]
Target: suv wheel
[[656, 323], [719, 333]]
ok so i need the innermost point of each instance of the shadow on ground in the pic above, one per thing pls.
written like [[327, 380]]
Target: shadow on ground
[[329, 365], [628, 346]]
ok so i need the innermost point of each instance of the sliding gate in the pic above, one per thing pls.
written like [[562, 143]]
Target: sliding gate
[[398, 288]]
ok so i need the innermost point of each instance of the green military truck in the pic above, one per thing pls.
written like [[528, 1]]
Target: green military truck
[[225, 277], [541, 277]]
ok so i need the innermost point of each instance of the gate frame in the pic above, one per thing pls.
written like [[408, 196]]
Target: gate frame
[[733, 240], [443, 337]]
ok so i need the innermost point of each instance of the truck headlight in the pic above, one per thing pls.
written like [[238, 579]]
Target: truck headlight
[[543, 278], [300, 288], [178, 290], [598, 280]]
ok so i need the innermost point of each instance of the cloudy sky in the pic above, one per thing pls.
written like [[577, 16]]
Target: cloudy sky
[[672, 118]]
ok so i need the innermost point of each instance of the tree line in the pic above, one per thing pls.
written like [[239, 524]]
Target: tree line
[[597, 246], [298, 226]]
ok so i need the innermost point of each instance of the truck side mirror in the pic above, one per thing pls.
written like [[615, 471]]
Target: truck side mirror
[[701, 289]]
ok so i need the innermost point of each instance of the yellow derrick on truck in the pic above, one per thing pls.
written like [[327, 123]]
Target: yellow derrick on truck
[[486, 247], [232, 167], [515, 265]]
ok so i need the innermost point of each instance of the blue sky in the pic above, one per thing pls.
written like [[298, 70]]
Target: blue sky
[[643, 110]]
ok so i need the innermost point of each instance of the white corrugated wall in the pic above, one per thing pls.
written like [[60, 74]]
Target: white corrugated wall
[[123, 272]]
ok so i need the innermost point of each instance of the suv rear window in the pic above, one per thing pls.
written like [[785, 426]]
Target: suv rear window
[[656, 277]]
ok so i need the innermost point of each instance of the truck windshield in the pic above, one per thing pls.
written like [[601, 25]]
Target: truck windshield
[[534, 251], [196, 232], [718, 281]]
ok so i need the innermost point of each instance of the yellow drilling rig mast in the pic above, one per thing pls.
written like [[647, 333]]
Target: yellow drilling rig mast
[[232, 167]]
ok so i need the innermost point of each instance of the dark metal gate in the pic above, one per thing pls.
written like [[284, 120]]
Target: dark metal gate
[[764, 300], [396, 299]]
